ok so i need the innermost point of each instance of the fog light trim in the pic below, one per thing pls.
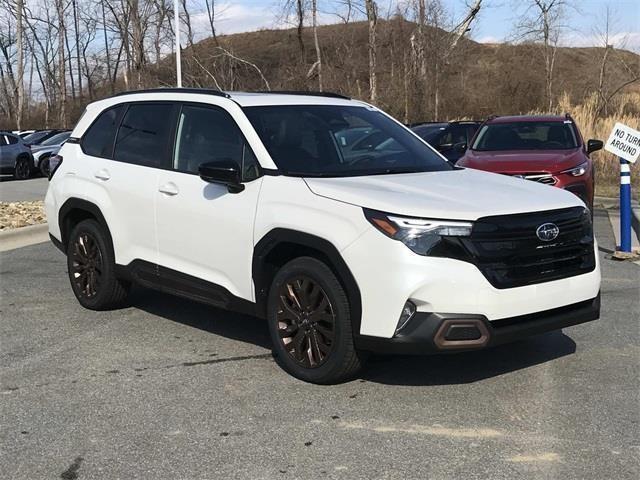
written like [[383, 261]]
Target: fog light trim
[[408, 311]]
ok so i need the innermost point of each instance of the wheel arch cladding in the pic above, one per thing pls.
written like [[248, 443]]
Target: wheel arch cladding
[[281, 245], [74, 211]]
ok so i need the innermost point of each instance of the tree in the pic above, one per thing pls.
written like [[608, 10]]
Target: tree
[[317, 66], [62, 77], [20, 62], [542, 22], [372, 18], [605, 92]]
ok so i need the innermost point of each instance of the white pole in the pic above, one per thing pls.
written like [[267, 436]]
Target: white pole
[[176, 10]]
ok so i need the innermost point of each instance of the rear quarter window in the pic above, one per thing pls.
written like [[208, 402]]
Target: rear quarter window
[[144, 134], [99, 138]]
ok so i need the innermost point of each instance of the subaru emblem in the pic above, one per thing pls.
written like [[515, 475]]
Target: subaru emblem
[[547, 232]]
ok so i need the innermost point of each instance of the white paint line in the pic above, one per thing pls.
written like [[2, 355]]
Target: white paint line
[[534, 458], [426, 430]]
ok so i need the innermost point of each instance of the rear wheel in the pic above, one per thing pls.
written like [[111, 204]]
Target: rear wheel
[[22, 169], [310, 323], [91, 266]]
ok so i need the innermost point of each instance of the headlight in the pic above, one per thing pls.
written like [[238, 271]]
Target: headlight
[[577, 171], [419, 234]]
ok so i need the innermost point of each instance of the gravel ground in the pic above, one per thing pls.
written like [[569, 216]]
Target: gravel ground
[[21, 214], [170, 389]]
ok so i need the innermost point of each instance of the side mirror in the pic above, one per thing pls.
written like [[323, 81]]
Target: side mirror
[[225, 172], [594, 145]]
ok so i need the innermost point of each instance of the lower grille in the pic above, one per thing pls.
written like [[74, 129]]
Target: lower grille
[[509, 253]]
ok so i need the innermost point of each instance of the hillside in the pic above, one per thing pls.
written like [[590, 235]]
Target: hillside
[[478, 79]]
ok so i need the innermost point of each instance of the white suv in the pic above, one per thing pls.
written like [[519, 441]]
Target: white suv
[[322, 214]]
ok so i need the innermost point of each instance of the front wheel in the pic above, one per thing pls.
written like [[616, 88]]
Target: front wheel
[[310, 323], [91, 266], [44, 167]]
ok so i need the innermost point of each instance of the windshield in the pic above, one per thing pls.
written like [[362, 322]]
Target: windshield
[[57, 139], [338, 141], [35, 136], [526, 136]]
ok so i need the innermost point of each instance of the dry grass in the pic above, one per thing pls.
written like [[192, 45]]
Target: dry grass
[[624, 108]]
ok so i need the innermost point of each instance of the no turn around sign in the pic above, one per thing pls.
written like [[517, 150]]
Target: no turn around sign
[[624, 142]]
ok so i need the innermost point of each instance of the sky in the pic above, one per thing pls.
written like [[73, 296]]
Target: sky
[[494, 24]]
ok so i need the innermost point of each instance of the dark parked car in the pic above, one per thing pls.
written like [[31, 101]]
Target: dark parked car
[[546, 149], [39, 136], [15, 156], [450, 138]]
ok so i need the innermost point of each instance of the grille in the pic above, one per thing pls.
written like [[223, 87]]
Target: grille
[[545, 178], [508, 252]]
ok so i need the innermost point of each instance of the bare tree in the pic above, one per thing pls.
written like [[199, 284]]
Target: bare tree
[[542, 22], [211, 16], [372, 18], [317, 66], [62, 77], [20, 62], [604, 91]]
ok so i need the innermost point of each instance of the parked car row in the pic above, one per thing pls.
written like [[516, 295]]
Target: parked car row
[[548, 149], [25, 152]]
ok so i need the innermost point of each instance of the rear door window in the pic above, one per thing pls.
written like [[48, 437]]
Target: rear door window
[[143, 136], [98, 139]]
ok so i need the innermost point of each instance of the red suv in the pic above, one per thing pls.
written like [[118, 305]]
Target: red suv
[[545, 149]]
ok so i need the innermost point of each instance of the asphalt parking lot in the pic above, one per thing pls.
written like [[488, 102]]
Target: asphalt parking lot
[[170, 389], [22, 190]]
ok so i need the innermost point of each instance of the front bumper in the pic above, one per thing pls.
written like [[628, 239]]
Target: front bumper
[[429, 333], [389, 274]]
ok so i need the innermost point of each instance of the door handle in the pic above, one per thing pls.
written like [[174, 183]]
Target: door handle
[[102, 174], [169, 189]]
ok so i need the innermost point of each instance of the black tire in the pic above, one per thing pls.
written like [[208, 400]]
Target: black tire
[[325, 325], [44, 166], [91, 266], [22, 170]]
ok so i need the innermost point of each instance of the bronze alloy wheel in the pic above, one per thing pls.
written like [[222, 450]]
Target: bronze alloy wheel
[[86, 265], [306, 321]]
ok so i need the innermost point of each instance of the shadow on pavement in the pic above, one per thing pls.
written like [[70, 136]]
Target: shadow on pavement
[[468, 367], [443, 369], [235, 326]]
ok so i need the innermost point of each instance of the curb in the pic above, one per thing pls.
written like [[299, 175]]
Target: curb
[[23, 236], [611, 203]]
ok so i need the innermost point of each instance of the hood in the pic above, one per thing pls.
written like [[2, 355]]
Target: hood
[[44, 148], [462, 194], [523, 161]]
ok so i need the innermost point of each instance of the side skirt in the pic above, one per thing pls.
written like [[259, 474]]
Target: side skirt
[[177, 283]]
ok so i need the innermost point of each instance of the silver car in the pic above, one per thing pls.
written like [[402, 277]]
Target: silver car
[[43, 151], [15, 156]]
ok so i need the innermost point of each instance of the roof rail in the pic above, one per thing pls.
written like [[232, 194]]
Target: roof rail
[[204, 91], [491, 117], [300, 92]]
